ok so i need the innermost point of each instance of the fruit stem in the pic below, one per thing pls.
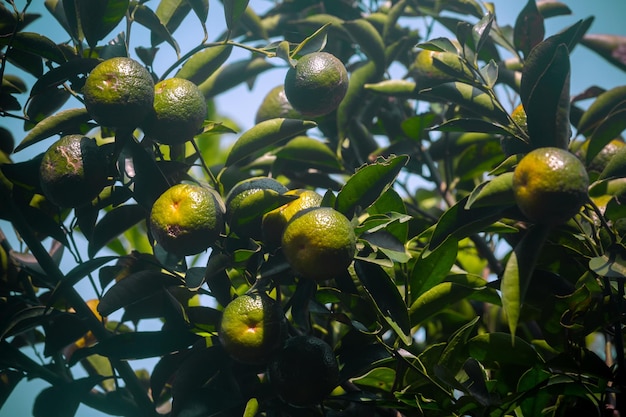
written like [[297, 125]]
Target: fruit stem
[[205, 167], [75, 300]]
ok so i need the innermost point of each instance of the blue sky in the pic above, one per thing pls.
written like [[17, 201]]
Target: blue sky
[[240, 104]]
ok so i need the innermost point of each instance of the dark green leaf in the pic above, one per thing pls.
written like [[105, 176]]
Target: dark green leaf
[[368, 183], [61, 330], [63, 400], [437, 299], [44, 104], [170, 14], [159, 29], [386, 297], [36, 44], [552, 8], [529, 29], [545, 95], [469, 97], [461, 222], [114, 223], [204, 63], [368, 38], [431, 268], [139, 345], [233, 74], [440, 45], [495, 192], [473, 125], [481, 30], [134, 288], [63, 122], [518, 272], [616, 167], [259, 138], [355, 96], [97, 18], [9, 379], [233, 10], [502, 348], [456, 348], [307, 153], [201, 9]]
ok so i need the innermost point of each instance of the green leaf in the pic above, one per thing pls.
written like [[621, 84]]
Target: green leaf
[[496, 192], [232, 75], [368, 39], [64, 72], [134, 288], [201, 9], [309, 153], [364, 187], [460, 222], [386, 297], [169, 14], [139, 345], [473, 125], [431, 268], [313, 43], [262, 136], [201, 65], [397, 88], [437, 299], [609, 47], [63, 122], [45, 104], [439, 45], [159, 29], [518, 272], [63, 400], [35, 44], [233, 10], [97, 18], [502, 348], [355, 96], [76, 274], [456, 347], [481, 30], [114, 223], [610, 265], [552, 8], [471, 98], [529, 29]]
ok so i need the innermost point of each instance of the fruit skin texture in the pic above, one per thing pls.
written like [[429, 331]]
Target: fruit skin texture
[[187, 219], [550, 185], [275, 221], [274, 105], [73, 171], [253, 327], [305, 371], [119, 92], [317, 84], [319, 243], [178, 112], [245, 203]]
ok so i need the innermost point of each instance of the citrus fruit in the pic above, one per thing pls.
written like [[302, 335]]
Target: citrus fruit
[[424, 71], [550, 185], [602, 158], [316, 84], [178, 112], [248, 201], [119, 92], [186, 219], [274, 105], [252, 327], [519, 117], [319, 243], [274, 222], [305, 371], [73, 171]]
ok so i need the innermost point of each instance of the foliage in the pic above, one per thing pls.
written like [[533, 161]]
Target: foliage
[[455, 303]]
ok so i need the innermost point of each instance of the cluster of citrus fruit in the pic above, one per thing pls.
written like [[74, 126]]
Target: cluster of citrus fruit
[[119, 93], [303, 369]]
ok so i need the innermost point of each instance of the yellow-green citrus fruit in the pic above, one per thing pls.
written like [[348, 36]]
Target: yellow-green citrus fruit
[[187, 219], [179, 111], [317, 84], [73, 171], [599, 162], [424, 71], [274, 105], [305, 371], [247, 202], [519, 117], [119, 92], [275, 221], [550, 185], [252, 328], [319, 243]]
